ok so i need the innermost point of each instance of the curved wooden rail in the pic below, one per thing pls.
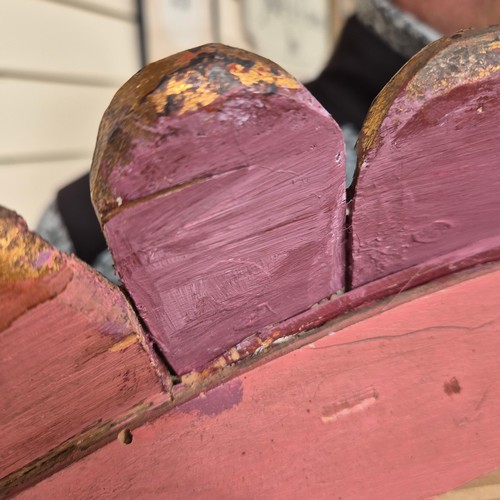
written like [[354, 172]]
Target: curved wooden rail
[[400, 404]]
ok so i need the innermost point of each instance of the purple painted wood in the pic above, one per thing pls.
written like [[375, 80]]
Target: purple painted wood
[[428, 178], [219, 182]]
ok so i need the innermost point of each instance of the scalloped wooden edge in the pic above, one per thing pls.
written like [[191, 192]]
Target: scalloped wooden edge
[[143, 98], [430, 74]]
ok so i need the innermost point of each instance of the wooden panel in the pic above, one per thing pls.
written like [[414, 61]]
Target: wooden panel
[[52, 38], [119, 8], [49, 119], [428, 158], [410, 409], [219, 197], [172, 26], [297, 35], [28, 188], [73, 359]]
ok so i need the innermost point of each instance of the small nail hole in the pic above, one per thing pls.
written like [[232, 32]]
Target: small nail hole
[[125, 436]]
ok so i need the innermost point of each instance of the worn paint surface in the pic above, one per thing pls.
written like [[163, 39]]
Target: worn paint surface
[[71, 353], [146, 114], [287, 332], [22, 254], [364, 412], [230, 189], [427, 182], [219, 399]]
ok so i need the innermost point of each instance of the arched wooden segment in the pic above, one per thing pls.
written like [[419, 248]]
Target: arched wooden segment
[[72, 355], [429, 152], [219, 183]]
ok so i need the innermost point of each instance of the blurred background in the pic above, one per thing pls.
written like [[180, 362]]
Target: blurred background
[[61, 61]]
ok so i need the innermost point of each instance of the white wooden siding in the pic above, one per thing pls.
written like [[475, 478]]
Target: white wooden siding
[[41, 118], [60, 64], [20, 184]]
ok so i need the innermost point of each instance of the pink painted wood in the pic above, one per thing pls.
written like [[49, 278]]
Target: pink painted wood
[[428, 174], [403, 404], [73, 360]]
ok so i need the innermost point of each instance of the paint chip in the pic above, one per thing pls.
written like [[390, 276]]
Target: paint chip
[[355, 404], [125, 436], [282, 340], [124, 343], [452, 386]]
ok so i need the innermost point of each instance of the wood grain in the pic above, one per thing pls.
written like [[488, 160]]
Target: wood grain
[[219, 182], [73, 356], [401, 405], [428, 154]]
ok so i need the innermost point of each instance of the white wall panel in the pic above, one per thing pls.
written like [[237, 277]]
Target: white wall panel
[[41, 118], [29, 188], [54, 38]]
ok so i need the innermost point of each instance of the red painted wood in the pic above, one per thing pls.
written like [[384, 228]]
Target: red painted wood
[[428, 172], [404, 404], [71, 358], [219, 181]]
